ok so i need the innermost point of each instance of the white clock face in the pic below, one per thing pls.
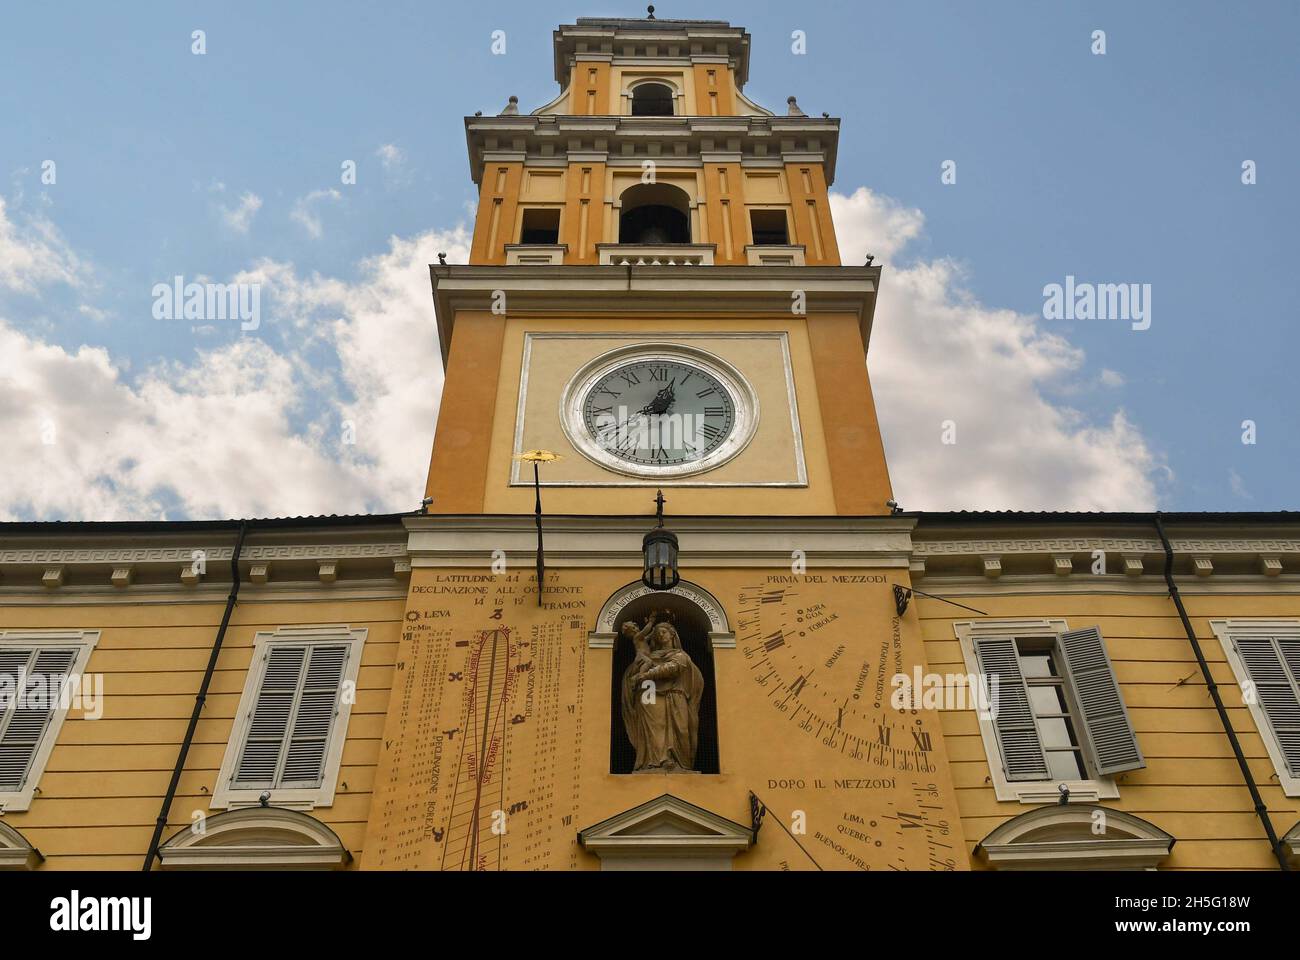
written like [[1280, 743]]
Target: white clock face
[[659, 413]]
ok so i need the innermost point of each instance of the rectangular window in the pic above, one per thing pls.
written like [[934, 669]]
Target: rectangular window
[[769, 227], [1057, 717], [292, 721], [1051, 710], [540, 225], [40, 679]]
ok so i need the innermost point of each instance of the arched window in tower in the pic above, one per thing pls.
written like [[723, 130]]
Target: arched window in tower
[[654, 213], [652, 100], [664, 711]]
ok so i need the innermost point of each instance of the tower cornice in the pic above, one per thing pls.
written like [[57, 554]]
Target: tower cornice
[[593, 37], [551, 290], [755, 141]]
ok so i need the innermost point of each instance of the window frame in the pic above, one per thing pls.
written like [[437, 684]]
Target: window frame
[[85, 641], [1028, 791], [1225, 631], [227, 796]]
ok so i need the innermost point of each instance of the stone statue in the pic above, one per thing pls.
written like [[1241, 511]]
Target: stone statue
[[661, 690]]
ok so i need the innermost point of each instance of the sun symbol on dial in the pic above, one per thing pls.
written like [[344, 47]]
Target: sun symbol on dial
[[830, 681]]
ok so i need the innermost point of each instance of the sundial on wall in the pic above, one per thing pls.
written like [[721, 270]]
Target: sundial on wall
[[832, 677]]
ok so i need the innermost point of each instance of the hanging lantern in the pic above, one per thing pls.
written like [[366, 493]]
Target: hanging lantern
[[659, 548]]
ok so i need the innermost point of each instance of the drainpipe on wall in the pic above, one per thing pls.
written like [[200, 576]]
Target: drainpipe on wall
[[1261, 810], [161, 823]]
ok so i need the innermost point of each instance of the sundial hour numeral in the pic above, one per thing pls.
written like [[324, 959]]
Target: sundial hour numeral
[[883, 734], [910, 820], [922, 738], [773, 641], [798, 685]]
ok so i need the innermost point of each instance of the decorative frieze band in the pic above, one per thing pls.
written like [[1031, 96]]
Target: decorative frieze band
[[119, 557], [940, 548]]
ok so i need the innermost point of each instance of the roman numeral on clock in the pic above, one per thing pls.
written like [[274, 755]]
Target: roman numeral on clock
[[629, 377], [659, 373], [715, 411], [707, 392]]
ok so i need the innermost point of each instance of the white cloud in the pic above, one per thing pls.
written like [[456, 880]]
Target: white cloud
[[938, 354], [244, 430], [1237, 485], [1111, 378], [305, 210], [94, 313], [391, 155], [249, 430], [34, 255], [240, 218]]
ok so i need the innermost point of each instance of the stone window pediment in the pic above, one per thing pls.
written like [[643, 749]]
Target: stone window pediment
[[666, 833], [256, 838], [1077, 836], [16, 852]]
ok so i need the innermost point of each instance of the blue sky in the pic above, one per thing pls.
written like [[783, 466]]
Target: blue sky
[[1117, 168]]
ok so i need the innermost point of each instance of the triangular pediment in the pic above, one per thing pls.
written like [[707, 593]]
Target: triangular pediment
[[666, 826]]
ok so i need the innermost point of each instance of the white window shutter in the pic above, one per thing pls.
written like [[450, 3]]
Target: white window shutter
[[23, 723], [1022, 750], [292, 719], [264, 743], [1274, 667], [313, 720], [1103, 717]]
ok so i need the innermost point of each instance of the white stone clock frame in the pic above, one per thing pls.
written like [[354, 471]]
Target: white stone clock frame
[[744, 404], [744, 398]]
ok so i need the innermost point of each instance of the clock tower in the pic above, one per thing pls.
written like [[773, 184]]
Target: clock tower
[[655, 299]]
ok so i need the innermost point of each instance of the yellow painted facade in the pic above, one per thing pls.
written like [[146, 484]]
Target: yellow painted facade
[[651, 210]]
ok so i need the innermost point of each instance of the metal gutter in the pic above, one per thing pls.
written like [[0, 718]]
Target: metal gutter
[[1261, 809], [199, 700]]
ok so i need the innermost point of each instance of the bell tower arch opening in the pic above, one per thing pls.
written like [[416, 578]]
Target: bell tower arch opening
[[652, 100], [654, 213]]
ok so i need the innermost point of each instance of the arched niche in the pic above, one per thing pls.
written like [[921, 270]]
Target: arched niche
[[251, 838], [654, 213], [607, 622], [701, 624]]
